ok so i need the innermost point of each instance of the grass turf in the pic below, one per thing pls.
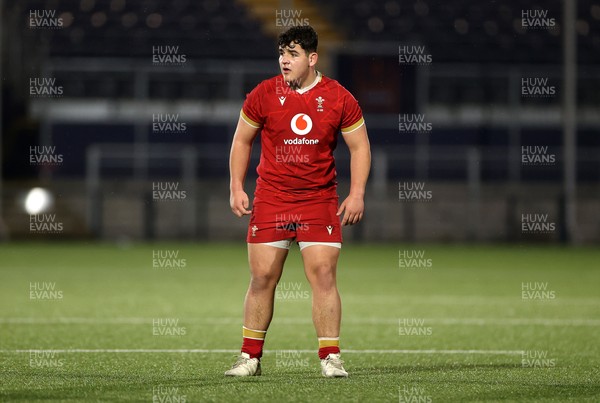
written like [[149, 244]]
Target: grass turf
[[475, 327]]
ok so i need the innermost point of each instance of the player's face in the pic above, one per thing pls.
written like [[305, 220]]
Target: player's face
[[295, 64]]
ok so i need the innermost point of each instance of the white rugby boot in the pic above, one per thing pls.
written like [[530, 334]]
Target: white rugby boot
[[245, 366], [331, 367]]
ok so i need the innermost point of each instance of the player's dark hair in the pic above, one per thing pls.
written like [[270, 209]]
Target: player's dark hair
[[304, 35]]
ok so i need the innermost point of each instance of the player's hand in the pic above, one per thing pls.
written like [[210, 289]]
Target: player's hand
[[353, 208], [239, 203]]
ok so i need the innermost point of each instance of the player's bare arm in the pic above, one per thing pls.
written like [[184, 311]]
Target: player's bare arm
[[360, 164], [239, 159]]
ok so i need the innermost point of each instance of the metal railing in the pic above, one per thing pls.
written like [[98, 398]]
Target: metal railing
[[462, 167]]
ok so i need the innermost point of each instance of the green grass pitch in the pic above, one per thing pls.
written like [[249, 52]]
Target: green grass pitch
[[97, 322]]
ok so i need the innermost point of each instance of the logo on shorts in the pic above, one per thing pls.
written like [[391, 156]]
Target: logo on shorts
[[329, 229], [301, 124], [254, 229]]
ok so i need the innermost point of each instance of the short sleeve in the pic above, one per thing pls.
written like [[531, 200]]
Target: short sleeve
[[252, 109], [352, 117]]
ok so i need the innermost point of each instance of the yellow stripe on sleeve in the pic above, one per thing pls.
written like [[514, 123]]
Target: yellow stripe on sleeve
[[251, 122], [353, 127]]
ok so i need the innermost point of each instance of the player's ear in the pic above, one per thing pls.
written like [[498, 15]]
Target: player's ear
[[312, 59]]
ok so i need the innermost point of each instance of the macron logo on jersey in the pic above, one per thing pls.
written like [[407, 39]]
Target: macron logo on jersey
[[301, 124]]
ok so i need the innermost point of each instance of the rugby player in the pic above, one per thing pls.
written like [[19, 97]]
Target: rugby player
[[299, 114]]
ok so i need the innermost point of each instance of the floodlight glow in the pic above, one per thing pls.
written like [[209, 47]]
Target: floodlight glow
[[38, 201]]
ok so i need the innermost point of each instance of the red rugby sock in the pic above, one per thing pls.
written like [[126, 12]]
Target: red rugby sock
[[253, 341], [328, 345]]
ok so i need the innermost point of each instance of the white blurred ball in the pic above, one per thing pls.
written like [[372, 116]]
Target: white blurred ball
[[38, 201]]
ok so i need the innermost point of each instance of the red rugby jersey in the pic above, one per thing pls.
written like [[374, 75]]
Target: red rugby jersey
[[299, 133]]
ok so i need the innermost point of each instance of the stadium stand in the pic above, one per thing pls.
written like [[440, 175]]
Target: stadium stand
[[470, 92]]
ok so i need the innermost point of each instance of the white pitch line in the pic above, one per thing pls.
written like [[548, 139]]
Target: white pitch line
[[515, 321], [211, 351], [304, 321]]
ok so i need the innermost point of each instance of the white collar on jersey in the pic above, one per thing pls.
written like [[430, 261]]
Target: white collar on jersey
[[317, 79]]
